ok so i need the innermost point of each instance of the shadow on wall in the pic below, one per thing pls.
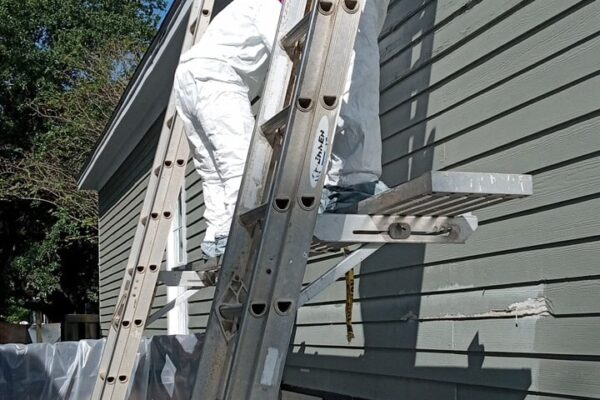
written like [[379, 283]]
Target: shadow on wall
[[389, 362]]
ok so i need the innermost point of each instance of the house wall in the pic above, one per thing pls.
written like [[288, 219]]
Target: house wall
[[471, 85]]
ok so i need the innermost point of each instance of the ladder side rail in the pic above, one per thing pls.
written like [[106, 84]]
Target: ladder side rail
[[264, 339], [214, 360], [146, 275], [200, 14]]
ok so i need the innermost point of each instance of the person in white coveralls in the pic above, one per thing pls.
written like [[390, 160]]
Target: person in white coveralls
[[215, 82]]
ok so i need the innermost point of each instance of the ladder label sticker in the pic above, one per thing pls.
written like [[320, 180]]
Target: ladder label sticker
[[272, 362], [319, 152]]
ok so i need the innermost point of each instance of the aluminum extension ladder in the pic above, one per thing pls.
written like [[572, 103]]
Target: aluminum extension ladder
[[146, 254], [276, 227]]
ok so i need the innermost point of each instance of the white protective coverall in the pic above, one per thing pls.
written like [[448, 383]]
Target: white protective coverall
[[219, 76]]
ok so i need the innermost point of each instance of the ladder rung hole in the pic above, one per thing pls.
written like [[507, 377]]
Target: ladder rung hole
[[258, 309], [304, 104], [269, 271], [140, 268], [282, 204], [181, 163], [138, 322], [110, 379], [205, 12], [325, 7], [330, 101], [167, 214], [351, 5], [154, 215], [123, 378], [308, 202], [283, 306], [125, 324], [168, 163], [153, 268]]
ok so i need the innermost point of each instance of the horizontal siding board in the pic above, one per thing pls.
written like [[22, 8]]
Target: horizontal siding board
[[450, 115], [433, 14], [574, 181], [399, 12], [446, 39], [365, 385], [569, 377], [560, 299], [543, 114], [127, 202], [504, 50], [564, 144], [543, 265], [134, 167], [528, 336]]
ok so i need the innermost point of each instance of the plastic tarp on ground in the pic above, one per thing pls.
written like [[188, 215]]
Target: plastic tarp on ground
[[165, 369]]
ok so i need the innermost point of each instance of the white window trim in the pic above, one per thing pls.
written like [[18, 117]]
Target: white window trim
[[177, 318]]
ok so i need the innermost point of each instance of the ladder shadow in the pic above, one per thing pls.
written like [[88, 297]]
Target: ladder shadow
[[388, 356]]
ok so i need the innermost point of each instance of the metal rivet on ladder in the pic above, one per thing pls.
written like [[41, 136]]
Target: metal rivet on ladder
[[304, 104], [283, 307], [170, 121], [282, 204], [326, 7], [156, 171], [258, 309], [351, 6], [329, 101], [193, 26], [143, 220]]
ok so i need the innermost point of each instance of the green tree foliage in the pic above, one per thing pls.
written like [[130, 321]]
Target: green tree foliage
[[63, 67]]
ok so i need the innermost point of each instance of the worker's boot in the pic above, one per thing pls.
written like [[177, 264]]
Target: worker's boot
[[345, 199], [212, 253]]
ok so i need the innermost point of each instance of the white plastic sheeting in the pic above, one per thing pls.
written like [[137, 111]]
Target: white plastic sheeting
[[165, 369]]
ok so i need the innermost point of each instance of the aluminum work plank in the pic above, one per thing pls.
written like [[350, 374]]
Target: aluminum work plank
[[448, 193]]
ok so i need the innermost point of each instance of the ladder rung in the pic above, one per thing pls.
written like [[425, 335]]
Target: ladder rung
[[231, 310], [189, 279], [275, 127], [296, 35], [250, 217]]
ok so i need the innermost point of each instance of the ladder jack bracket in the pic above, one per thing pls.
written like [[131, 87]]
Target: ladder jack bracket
[[351, 228]]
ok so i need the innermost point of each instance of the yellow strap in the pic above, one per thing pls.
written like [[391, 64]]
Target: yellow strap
[[349, 303]]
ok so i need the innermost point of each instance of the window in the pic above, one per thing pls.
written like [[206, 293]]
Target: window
[[177, 318]]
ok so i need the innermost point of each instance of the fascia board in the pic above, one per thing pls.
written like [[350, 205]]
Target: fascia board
[[144, 101]]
